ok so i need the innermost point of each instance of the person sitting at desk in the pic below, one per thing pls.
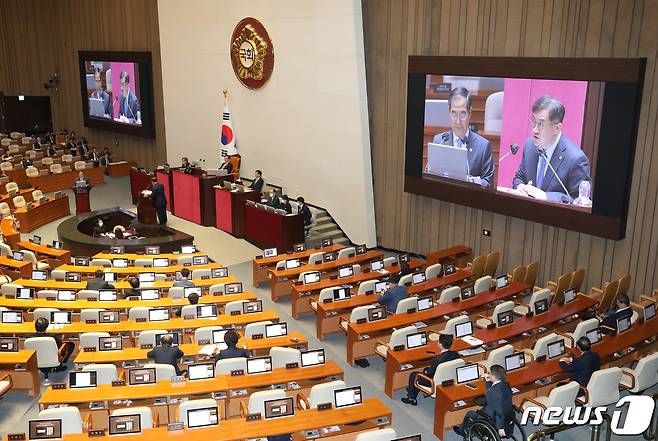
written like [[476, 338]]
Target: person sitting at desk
[[83, 149], [257, 183], [52, 151], [231, 339], [166, 353], [36, 145], [71, 146], [40, 326], [26, 162], [621, 310], [285, 204], [393, 294], [580, 369], [273, 200], [134, 290], [193, 299], [304, 211], [95, 157], [98, 282], [498, 408], [445, 341], [81, 178], [185, 166], [183, 280], [226, 165]]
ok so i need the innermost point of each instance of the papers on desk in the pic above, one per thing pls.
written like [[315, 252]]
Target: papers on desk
[[209, 349], [406, 366], [460, 403], [330, 429], [420, 325], [515, 390], [146, 193], [382, 271], [472, 340], [473, 351], [55, 326]]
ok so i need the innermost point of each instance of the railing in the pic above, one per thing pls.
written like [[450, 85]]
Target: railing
[[541, 435], [652, 432]]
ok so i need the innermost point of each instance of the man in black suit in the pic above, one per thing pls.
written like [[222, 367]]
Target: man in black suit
[[36, 145], [581, 369], [40, 326], [185, 166], [81, 178], [166, 353], [548, 145], [98, 282], [621, 310], [159, 201], [71, 146], [304, 211], [83, 150], [257, 183], [273, 200], [50, 138], [52, 151], [285, 204], [231, 339], [498, 408], [445, 341], [26, 162], [94, 157], [100, 94], [129, 109], [226, 165], [134, 290]]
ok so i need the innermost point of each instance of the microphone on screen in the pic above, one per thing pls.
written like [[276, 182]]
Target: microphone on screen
[[541, 152], [513, 150], [445, 137]]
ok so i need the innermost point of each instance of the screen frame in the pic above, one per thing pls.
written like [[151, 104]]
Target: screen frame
[[138, 430], [291, 408], [353, 388]]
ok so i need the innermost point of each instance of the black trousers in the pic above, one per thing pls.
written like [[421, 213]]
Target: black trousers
[[161, 210], [412, 392]]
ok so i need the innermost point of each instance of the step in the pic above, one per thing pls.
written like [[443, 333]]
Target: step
[[325, 227], [324, 221]]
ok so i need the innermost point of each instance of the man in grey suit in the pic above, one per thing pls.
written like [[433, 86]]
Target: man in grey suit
[[480, 161], [534, 177]]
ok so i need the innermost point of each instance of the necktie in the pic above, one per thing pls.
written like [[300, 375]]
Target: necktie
[[541, 171]]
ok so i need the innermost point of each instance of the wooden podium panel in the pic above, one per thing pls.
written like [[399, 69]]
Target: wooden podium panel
[[10, 233], [41, 214], [166, 179], [194, 197], [63, 181], [267, 229], [229, 209]]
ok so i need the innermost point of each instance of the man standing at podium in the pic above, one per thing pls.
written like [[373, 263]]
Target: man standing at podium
[[81, 178], [159, 201]]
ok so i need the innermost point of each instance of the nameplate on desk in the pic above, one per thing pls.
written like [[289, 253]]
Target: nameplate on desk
[[187, 264], [98, 432], [118, 383], [237, 372], [175, 426], [327, 300], [140, 320], [447, 382], [395, 264], [236, 312], [146, 346], [529, 314], [57, 386], [540, 358], [178, 379], [51, 298], [92, 299], [324, 406], [256, 336], [333, 277], [91, 349], [205, 277], [16, 437], [491, 325], [300, 282], [253, 417], [455, 299], [369, 293], [411, 310], [188, 317], [134, 299], [398, 348], [259, 257], [360, 321], [204, 342], [292, 365], [218, 293], [90, 322]]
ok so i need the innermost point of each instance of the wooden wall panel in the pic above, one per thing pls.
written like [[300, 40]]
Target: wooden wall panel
[[395, 29], [37, 37]]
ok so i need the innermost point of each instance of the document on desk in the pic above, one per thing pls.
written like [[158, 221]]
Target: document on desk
[[54, 327], [473, 351], [208, 349], [472, 340]]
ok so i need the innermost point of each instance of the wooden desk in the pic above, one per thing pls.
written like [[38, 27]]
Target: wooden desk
[[121, 168], [171, 269], [16, 268], [160, 284], [262, 265], [266, 229], [10, 233], [282, 279], [64, 181], [397, 378], [458, 255], [362, 337], [55, 257], [173, 258], [26, 378], [25, 192], [42, 214]]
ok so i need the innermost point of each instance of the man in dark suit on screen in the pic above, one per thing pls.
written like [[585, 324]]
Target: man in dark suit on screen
[[159, 201], [100, 94], [480, 161], [548, 145], [129, 108]]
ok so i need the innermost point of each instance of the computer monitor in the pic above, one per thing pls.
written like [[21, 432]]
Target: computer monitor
[[403, 258], [376, 313], [505, 318], [45, 429], [218, 273], [299, 247], [150, 294], [108, 317], [81, 261], [279, 408], [569, 295], [36, 240], [107, 295], [175, 339], [60, 317], [200, 371], [199, 260], [160, 262], [25, 293], [514, 361], [556, 348], [152, 250], [276, 330], [342, 293], [158, 314], [541, 306], [110, 344], [467, 292], [146, 277], [125, 424], [502, 281], [312, 358], [206, 311], [463, 329], [293, 263], [329, 257], [110, 277], [417, 278], [191, 289], [17, 255], [345, 271], [120, 262], [12, 317], [425, 303], [381, 287], [360, 249], [233, 288], [327, 242], [259, 365], [252, 307], [65, 295], [73, 277], [623, 324], [467, 373], [649, 311], [312, 277], [594, 335], [204, 417], [270, 252], [117, 250], [416, 340], [347, 397], [82, 379], [8, 344], [187, 249], [218, 338], [376, 265], [39, 275], [57, 245], [448, 269], [139, 376]]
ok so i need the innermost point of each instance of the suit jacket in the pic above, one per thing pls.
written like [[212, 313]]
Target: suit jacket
[[257, 184], [132, 293], [73, 150], [499, 405], [569, 162], [97, 284], [273, 202], [107, 102], [83, 150], [36, 145], [51, 150], [392, 297], [228, 166], [611, 317], [582, 368], [95, 157], [480, 161], [232, 352], [166, 355], [184, 283], [286, 206], [441, 358], [26, 162], [130, 110], [306, 214], [50, 139], [158, 195]]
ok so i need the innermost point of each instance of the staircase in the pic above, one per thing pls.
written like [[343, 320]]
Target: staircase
[[325, 228]]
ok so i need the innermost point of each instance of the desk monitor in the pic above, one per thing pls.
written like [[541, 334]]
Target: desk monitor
[[12, 317], [17, 255], [329, 257], [146, 277], [347, 397], [218, 338], [82, 379], [650, 311], [345, 271], [342, 293], [360, 249], [65, 295], [594, 336], [403, 258], [299, 247], [200, 371], [45, 429], [206, 311], [293, 263], [25, 293], [60, 317], [270, 252], [158, 314], [259, 365], [252, 307], [417, 278], [73, 277], [502, 282], [187, 249], [380, 287], [376, 265], [174, 337], [505, 318], [8, 344], [152, 250], [191, 289], [160, 262], [556, 348], [81, 261], [312, 358], [150, 294], [311, 277], [448, 269], [233, 288], [218, 273], [467, 373], [623, 324], [514, 361], [376, 313], [36, 240], [416, 340], [138, 376], [425, 303], [569, 295], [409, 438], [110, 277], [327, 242], [463, 329], [39, 275], [117, 250], [119, 262], [202, 417], [276, 330], [110, 344], [467, 292], [125, 424], [108, 317], [541, 306], [57, 245], [199, 260], [107, 295], [279, 408]]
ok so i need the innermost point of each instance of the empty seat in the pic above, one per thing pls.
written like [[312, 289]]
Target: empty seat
[[67, 158], [282, 356], [89, 314], [205, 333], [482, 284], [162, 371], [541, 346], [29, 256], [186, 406], [5, 211], [453, 322], [257, 401], [47, 294], [43, 313], [315, 258], [582, 328], [19, 201], [56, 168], [216, 288], [386, 434], [643, 376], [143, 262], [106, 373], [70, 416], [47, 161], [138, 312], [80, 165], [320, 394], [603, 388], [562, 396], [176, 292], [346, 252], [448, 294], [200, 273], [144, 412], [433, 271], [37, 194], [493, 113], [90, 339], [234, 306], [47, 354], [497, 356], [31, 172], [366, 286], [405, 305], [6, 166], [256, 328], [398, 338], [224, 367], [501, 308], [537, 296]]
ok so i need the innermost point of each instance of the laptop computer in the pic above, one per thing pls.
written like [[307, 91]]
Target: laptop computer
[[447, 161], [96, 107]]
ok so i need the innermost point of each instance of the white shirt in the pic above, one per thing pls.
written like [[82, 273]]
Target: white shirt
[[457, 141], [549, 152]]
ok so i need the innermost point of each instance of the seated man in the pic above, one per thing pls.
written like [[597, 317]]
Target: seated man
[[193, 299], [445, 341], [621, 310], [393, 294], [40, 326], [581, 369], [226, 165], [273, 200], [166, 353], [231, 339], [498, 408], [98, 282], [134, 290], [285, 204], [26, 162], [183, 280]]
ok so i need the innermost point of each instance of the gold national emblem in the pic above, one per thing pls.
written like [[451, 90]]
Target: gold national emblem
[[252, 54]]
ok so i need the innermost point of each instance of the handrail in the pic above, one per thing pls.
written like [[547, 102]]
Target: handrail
[[652, 433], [540, 435]]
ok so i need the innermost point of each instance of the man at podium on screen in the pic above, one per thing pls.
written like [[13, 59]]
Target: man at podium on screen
[[129, 108], [552, 167], [479, 162]]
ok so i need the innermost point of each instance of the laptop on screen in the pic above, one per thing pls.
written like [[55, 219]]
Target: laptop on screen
[[45, 429], [376, 265], [259, 365], [199, 260], [376, 313], [108, 317], [463, 329], [541, 306], [501, 282], [350, 396], [468, 373], [25, 293], [200, 371], [160, 262], [8, 344], [345, 271], [152, 250], [191, 289], [514, 361], [202, 417], [252, 307], [158, 314], [110, 277], [107, 295], [416, 340], [594, 335], [187, 249], [174, 337], [312, 358], [417, 278], [120, 263], [312, 277], [342, 293], [299, 247], [569, 295], [12, 317], [425, 303], [218, 273], [270, 252], [125, 424], [82, 379], [110, 344], [206, 311], [139, 376], [556, 348], [279, 408], [233, 288], [649, 311], [39, 275], [293, 263], [150, 294], [276, 330], [60, 317], [505, 318], [65, 295]]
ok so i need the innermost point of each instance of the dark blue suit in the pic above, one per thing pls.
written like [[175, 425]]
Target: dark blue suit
[[498, 408], [232, 352], [107, 102], [392, 297], [430, 370], [480, 161], [129, 111], [569, 162], [581, 369], [159, 202], [611, 317]]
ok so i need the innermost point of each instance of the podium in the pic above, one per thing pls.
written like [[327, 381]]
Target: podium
[[166, 179], [266, 229], [229, 209], [194, 196], [82, 204], [146, 213], [139, 181]]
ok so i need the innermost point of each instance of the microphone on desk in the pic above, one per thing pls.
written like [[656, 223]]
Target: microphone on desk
[[513, 149], [543, 154]]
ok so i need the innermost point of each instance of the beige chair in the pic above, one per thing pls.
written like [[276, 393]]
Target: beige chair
[[32, 172], [89, 313], [80, 165], [344, 253], [234, 306], [602, 389], [482, 284], [67, 158], [47, 161], [31, 257], [283, 356], [19, 201], [497, 356], [448, 294], [562, 397], [203, 403], [70, 416], [90, 339], [257, 401], [11, 186], [398, 338], [56, 168], [6, 166], [315, 258], [445, 371], [138, 312], [582, 328], [452, 324], [146, 420], [162, 371], [358, 313], [36, 195], [43, 313], [563, 283], [493, 113], [49, 356], [537, 296], [224, 367], [501, 308], [14, 149], [204, 333], [6, 384], [256, 328], [541, 346], [531, 274], [405, 305], [433, 271], [491, 265], [644, 376], [478, 265], [366, 286], [5, 211], [147, 337], [105, 373], [319, 394]]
